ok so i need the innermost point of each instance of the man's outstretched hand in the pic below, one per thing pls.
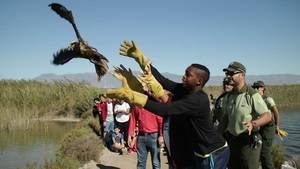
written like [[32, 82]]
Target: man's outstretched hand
[[125, 93], [130, 49], [154, 86], [132, 81]]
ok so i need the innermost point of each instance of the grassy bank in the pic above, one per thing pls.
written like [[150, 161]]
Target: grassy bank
[[23, 100]]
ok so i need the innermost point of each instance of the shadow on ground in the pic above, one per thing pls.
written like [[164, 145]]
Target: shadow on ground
[[101, 166]]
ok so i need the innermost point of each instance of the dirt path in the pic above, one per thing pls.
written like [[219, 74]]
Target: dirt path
[[110, 160]]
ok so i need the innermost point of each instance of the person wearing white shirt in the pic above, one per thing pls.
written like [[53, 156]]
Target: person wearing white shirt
[[109, 120], [122, 110]]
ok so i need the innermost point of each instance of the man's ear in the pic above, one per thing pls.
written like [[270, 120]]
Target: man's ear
[[200, 81]]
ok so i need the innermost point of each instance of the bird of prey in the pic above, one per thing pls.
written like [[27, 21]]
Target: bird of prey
[[79, 48]]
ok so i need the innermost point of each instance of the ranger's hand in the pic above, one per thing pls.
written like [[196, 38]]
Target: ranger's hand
[[131, 50], [282, 133], [249, 126]]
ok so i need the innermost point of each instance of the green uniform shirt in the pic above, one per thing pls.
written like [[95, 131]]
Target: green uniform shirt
[[269, 101], [242, 106]]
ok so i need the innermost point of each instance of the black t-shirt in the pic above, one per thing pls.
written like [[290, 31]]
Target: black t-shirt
[[191, 127]]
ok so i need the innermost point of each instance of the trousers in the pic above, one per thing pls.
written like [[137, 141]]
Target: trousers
[[244, 151], [148, 142], [267, 133]]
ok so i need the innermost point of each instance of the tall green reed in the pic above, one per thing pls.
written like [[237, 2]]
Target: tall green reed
[[23, 100]]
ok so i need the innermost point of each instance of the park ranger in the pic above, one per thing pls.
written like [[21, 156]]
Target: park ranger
[[268, 131], [245, 111]]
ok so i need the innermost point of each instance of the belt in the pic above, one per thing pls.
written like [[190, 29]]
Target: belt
[[209, 154], [244, 135], [145, 134]]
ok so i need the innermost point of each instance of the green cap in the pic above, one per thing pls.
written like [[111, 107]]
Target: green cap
[[258, 84], [235, 66]]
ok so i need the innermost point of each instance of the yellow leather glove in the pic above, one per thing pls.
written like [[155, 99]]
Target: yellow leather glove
[[131, 50], [132, 81], [282, 133], [154, 86], [126, 93]]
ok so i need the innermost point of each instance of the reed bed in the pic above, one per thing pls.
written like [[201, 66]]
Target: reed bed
[[24, 100]]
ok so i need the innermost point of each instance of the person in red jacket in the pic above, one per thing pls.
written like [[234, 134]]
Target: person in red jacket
[[102, 110], [149, 134], [108, 116]]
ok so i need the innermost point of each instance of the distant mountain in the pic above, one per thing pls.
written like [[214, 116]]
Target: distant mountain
[[109, 81]]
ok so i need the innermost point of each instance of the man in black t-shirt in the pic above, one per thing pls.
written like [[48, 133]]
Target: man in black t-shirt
[[195, 143]]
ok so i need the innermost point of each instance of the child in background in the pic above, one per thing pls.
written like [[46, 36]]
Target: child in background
[[118, 141]]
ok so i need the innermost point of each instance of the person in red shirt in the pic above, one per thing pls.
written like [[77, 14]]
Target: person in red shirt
[[149, 134], [102, 109]]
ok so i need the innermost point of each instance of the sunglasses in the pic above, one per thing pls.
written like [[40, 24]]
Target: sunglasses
[[257, 87], [228, 84], [231, 73]]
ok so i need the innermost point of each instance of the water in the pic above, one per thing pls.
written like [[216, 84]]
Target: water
[[19, 148], [290, 121]]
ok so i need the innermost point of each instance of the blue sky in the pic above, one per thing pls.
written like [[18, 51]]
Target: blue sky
[[263, 35]]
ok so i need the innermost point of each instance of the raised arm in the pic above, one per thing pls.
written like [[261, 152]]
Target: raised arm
[[166, 83], [273, 108], [131, 50], [190, 106]]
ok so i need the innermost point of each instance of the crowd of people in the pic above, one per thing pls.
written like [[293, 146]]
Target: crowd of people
[[129, 129], [236, 134]]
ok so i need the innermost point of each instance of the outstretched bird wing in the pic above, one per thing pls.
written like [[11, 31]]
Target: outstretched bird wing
[[66, 14], [63, 56], [62, 12]]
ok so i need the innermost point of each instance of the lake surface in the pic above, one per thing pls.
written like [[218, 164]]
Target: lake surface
[[36, 145], [19, 148], [290, 121]]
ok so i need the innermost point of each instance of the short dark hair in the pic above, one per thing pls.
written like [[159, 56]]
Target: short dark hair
[[203, 68]]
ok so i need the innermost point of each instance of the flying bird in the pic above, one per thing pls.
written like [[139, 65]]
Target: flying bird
[[79, 48]]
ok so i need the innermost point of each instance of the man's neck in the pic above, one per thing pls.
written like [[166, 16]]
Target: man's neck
[[196, 89]]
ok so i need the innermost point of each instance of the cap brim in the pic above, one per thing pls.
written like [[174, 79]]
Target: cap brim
[[229, 69]]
